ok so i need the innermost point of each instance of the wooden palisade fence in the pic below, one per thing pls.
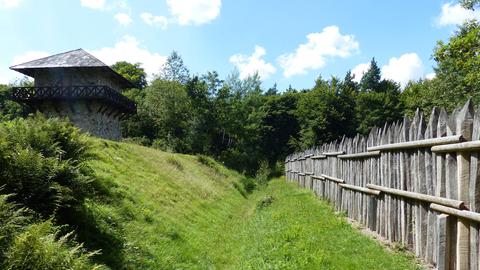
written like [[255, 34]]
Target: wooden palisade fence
[[411, 182]]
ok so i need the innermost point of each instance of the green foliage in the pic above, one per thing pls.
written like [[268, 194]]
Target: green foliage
[[9, 109], [12, 221], [371, 79], [41, 247], [263, 173], [42, 162], [168, 106], [457, 76], [174, 69], [26, 243], [132, 72], [326, 113], [377, 108], [419, 95]]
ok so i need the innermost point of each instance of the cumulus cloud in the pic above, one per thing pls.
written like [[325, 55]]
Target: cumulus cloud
[[455, 14], [123, 18], [93, 4], [150, 19], [359, 70], [195, 12], [319, 47], [10, 3], [250, 64], [403, 69], [129, 49], [9, 76]]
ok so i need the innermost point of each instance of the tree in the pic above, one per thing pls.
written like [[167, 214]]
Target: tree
[[9, 109], [169, 106], [174, 69], [371, 79], [325, 113], [458, 65], [376, 108], [132, 72]]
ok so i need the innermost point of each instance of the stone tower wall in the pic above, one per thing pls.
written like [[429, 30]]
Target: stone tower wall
[[90, 116]]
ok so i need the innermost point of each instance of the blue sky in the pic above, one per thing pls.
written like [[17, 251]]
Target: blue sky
[[287, 42]]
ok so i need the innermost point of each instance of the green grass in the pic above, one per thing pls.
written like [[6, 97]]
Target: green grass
[[170, 211]]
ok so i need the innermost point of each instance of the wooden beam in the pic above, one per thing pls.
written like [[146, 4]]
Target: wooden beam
[[457, 147], [361, 189], [318, 177], [334, 179], [333, 153], [360, 155], [319, 157], [474, 216], [417, 144], [419, 196]]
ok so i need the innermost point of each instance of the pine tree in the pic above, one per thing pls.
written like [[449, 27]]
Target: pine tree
[[371, 79]]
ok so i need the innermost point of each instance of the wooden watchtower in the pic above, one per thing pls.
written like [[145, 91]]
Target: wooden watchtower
[[77, 85]]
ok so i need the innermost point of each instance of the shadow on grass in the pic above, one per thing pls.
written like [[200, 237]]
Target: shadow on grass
[[97, 235]]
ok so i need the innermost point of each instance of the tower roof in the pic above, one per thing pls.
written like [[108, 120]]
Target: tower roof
[[78, 58]]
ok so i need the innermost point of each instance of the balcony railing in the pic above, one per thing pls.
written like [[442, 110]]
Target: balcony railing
[[30, 95]]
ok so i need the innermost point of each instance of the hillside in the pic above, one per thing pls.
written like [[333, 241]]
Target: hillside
[[171, 211]]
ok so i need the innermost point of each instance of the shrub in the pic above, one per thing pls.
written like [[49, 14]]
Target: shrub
[[43, 162], [263, 173], [41, 247], [12, 221]]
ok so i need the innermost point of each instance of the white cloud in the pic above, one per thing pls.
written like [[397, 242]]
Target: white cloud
[[250, 64], [320, 46], [129, 49], [123, 18], [359, 70], [430, 76], [150, 19], [10, 3], [403, 69], [9, 76], [455, 14], [93, 4], [195, 12], [29, 56]]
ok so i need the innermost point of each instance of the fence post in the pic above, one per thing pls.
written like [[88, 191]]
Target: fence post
[[464, 127]]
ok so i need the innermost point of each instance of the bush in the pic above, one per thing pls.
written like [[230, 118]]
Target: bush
[[27, 245], [263, 173], [40, 247], [43, 163], [12, 221]]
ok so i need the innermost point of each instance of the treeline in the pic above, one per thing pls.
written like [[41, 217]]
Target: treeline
[[245, 126], [248, 127]]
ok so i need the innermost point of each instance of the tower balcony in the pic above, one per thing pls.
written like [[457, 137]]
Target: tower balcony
[[101, 93]]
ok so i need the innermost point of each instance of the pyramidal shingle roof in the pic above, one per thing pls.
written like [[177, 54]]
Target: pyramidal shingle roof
[[75, 58], [78, 58]]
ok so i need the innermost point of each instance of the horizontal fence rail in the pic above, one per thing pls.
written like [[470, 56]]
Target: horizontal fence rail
[[415, 182]]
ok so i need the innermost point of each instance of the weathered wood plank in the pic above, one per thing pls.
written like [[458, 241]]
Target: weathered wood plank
[[473, 216], [421, 143], [420, 196]]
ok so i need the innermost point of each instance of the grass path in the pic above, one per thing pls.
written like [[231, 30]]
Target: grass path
[[284, 227], [171, 211]]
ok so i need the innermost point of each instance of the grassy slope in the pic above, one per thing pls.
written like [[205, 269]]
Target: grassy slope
[[170, 211]]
